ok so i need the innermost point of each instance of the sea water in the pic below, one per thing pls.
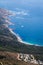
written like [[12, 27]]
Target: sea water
[[28, 27]]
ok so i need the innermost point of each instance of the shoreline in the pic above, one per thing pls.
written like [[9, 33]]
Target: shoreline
[[20, 40]]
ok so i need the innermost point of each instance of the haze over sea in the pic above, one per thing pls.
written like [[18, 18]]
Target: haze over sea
[[27, 19]]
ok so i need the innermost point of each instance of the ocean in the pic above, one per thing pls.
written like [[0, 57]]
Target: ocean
[[28, 20]]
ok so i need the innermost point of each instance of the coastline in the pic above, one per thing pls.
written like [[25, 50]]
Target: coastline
[[20, 40]]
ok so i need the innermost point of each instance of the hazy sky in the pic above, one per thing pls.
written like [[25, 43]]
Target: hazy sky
[[21, 3]]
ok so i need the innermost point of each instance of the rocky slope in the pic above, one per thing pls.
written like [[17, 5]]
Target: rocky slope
[[10, 58]]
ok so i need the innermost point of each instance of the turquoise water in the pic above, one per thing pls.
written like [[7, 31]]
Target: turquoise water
[[28, 24]]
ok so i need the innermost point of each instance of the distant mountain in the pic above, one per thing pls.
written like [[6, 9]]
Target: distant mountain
[[9, 41]]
